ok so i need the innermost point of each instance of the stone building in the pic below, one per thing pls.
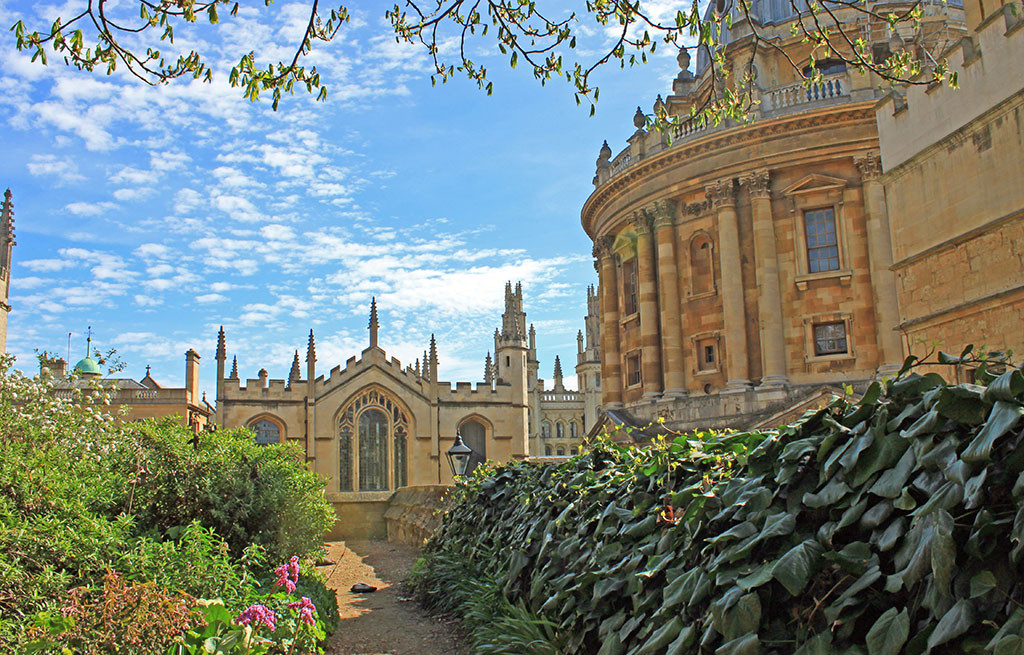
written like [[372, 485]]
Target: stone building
[[143, 398], [7, 244], [376, 425], [743, 267], [953, 174]]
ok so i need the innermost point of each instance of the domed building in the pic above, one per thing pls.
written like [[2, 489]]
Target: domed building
[[745, 266]]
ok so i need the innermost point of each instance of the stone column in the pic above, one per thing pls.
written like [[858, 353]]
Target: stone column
[[769, 305], [650, 340], [611, 367], [883, 281], [663, 213], [723, 198]]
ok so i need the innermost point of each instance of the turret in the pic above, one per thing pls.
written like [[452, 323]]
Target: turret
[[191, 377], [7, 244], [588, 360], [311, 361]]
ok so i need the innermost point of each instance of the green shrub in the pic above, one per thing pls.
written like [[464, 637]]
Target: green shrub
[[893, 525], [247, 493]]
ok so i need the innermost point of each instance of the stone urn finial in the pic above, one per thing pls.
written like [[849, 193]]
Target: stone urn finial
[[683, 58], [606, 152], [639, 120]]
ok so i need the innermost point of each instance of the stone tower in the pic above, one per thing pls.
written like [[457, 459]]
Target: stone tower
[[588, 359], [6, 249], [511, 352]]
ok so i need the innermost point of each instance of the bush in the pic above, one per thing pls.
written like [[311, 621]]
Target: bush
[[82, 494], [893, 525]]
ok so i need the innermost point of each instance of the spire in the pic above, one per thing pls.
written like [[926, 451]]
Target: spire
[[513, 320], [559, 386], [6, 228], [295, 373], [433, 358], [533, 338], [221, 346], [234, 368], [426, 365], [373, 322], [579, 342], [311, 350], [416, 368], [488, 369]]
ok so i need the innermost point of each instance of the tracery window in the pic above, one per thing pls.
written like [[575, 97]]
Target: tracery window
[[372, 444], [267, 432]]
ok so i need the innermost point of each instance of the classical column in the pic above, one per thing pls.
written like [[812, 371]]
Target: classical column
[[769, 304], [650, 340], [723, 198], [883, 281], [611, 367], [663, 213]]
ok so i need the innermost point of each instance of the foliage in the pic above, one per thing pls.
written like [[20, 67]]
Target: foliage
[[78, 492], [247, 493], [892, 525], [552, 44]]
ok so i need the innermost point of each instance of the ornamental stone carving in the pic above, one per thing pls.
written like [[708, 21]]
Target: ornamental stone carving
[[640, 223], [757, 184], [870, 166], [603, 246], [722, 193], [662, 212]]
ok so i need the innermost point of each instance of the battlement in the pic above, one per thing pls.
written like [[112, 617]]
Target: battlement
[[470, 392], [988, 70], [370, 357]]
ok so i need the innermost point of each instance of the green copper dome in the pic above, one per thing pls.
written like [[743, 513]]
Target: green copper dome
[[88, 368]]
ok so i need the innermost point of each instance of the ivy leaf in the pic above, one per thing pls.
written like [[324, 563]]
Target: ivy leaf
[[953, 623], [889, 633], [982, 583], [1003, 418], [794, 569]]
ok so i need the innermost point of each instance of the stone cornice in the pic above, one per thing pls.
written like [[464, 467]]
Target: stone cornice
[[768, 128]]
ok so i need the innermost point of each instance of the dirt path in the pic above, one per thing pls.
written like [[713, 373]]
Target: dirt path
[[385, 622]]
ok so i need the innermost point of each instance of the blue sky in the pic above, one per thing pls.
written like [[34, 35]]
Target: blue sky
[[156, 215]]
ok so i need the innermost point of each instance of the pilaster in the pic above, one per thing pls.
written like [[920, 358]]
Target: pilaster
[[663, 214], [722, 195], [611, 367], [650, 340], [883, 281], [769, 305]]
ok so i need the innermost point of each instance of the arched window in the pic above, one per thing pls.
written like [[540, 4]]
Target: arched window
[[547, 450], [560, 430], [372, 444], [545, 430], [267, 432], [702, 276], [561, 451], [474, 435], [574, 430]]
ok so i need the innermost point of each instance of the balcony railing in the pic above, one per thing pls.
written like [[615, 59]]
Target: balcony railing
[[784, 99]]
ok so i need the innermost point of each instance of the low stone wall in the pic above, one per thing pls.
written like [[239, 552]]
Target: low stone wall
[[413, 514], [360, 515]]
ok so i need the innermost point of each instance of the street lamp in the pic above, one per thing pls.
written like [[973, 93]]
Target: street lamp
[[458, 456]]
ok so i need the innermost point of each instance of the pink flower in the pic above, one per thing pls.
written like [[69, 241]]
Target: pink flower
[[306, 609], [258, 614], [288, 575]]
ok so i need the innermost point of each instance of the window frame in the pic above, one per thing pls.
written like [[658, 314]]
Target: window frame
[[630, 293], [807, 214], [810, 351], [812, 193], [693, 292], [633, 356], [818, 352]]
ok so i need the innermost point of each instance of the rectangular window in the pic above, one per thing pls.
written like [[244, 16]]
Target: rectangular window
[[822, 245], [629, 287], [706, 359], [830, 338], [632, 369]]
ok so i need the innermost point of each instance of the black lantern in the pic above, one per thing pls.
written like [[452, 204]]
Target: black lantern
[[458, 456]]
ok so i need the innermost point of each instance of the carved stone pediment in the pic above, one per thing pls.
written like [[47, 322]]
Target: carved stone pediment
[[815, 183]]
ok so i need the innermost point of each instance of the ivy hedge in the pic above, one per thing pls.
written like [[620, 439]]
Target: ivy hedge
[[891, 525]]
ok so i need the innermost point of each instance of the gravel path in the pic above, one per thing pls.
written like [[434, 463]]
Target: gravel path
[[386, 622]]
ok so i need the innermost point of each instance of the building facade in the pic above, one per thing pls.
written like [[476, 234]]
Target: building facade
[[375, 425], [140, 399], [744, 266], [953, 174], [7, 244]]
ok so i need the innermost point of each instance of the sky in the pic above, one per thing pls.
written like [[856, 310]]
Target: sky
[[154, 215]]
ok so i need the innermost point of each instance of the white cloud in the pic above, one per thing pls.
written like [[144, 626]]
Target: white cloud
[[50, 166], [89, 208]]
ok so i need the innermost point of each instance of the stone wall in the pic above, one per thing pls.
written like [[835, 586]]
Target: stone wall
[[413, 514]]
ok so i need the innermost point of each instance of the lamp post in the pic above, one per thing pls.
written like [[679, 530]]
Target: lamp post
[[458, 456]]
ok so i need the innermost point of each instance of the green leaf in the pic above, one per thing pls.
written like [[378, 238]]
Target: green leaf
[[953, 623], [745, 645], [889, 633], [1003, 418], [831, 493], [982, 583], [662, 636], [794, 569], [1009, 645]]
